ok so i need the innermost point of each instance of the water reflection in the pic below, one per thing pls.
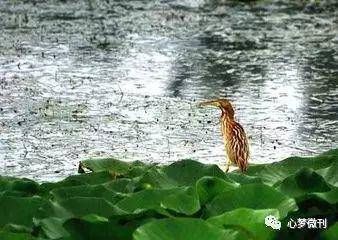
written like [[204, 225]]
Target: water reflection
[[146, 70], [123, 79]]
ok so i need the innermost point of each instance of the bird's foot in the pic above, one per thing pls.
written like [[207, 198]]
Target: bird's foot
[[227, 168]]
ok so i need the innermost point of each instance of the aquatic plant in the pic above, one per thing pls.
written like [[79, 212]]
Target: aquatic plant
[[184, 200]]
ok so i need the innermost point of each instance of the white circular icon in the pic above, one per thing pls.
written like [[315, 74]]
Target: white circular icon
[[273, 222]]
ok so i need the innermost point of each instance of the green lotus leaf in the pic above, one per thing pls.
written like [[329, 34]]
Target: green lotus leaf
[[272, 173], [330, 196], [95, 191], [22, 210], [302, 182], [81, 206], [330, 173], [4, 235], [18, 187], [112, 165], [331, 152], [81, 229], [331, 233], [182, 229], [155, 178], [250, 220], [51, 228], [311, 205], [255, 196], [117, 198], [242, 178], [318, 204], [181, 200], [208, 187], [77, 180], [120, 185], [10, 227], [187, 172]]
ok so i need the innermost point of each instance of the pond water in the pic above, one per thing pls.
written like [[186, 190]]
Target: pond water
[[82, 79]]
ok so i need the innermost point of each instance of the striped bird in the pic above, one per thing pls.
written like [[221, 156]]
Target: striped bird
[[235, 140]]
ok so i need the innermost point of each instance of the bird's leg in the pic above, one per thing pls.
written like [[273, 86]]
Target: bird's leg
[[227, 166]]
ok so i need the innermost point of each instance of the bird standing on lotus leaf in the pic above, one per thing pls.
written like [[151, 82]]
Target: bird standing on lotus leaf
[[235, 140]]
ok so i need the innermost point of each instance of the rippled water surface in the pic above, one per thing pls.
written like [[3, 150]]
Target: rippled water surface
[[82, 79]]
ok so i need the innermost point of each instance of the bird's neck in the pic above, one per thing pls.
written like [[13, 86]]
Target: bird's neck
[[228, 117]]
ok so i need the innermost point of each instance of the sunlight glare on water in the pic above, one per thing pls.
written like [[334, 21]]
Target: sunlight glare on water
[[123, 79]]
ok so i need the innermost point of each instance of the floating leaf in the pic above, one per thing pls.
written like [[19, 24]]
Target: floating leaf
[[94, 191], [302, 182], [252, 222], [255, 196], [77, 180], [330, 197], [22, 210], [120, 185], [52, 228], [244, 179], [330, 173], [209, 187], [272, 173], [181, 229], [187, 172], [155, 178], [18, 187], [80, 229], [331, 233], [111, 165], [181, 200], [15, 236], [118, 198], [81, 206]]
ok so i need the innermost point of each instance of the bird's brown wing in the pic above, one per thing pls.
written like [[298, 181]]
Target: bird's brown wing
[[238, 146]]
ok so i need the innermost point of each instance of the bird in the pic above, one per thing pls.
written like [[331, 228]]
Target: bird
[[235, 140]]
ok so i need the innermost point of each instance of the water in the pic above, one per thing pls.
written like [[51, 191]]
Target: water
[[81, 79]]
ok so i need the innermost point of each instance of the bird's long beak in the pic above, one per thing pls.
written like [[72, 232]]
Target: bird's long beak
[[208, 103]]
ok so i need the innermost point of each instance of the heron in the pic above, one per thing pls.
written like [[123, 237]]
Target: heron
[[235, 140]]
